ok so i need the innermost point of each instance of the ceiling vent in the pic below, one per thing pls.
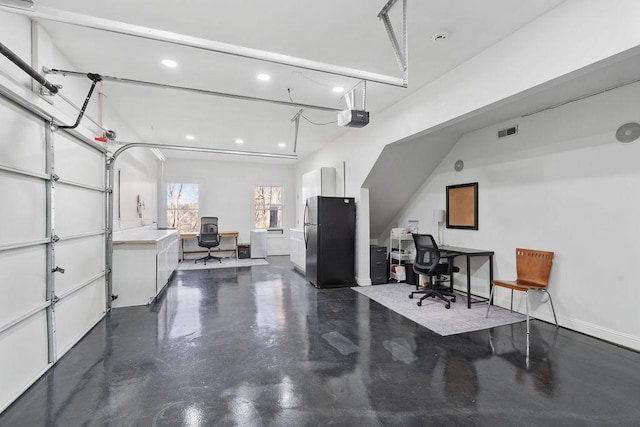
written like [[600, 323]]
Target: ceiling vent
[[510, 131]]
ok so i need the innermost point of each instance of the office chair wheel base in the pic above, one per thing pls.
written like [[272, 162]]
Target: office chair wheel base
[[453, 299], [419, 303], [410, 296], [447, 306]]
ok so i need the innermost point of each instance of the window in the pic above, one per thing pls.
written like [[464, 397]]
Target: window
[[268, 202], [183, 206]]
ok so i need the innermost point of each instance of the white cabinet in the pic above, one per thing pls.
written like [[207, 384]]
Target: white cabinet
[[259, 243], [319, 182], [402, 251], [143, 261], [167, 260], [298, 249]]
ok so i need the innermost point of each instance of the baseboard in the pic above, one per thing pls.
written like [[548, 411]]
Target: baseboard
[[606, 334], [363, 281], [277, 253], [543, 312]]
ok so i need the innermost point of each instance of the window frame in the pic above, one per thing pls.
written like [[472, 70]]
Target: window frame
[[277, 230], [165, 208]]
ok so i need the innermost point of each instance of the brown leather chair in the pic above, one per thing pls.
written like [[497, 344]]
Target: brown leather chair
[[533, 269]]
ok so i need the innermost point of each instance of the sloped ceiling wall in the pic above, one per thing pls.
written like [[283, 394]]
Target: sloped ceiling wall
[[403, 167], [400, 171]]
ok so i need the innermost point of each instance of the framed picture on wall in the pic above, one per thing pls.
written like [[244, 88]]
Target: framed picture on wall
[[462, 206]]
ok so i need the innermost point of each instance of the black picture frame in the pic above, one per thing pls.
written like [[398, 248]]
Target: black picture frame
[[462, 206]]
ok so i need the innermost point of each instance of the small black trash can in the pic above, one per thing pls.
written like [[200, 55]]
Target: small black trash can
[[244, 251]]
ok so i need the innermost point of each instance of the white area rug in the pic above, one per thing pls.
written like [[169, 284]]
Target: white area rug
[[433, 315], [189, 264]]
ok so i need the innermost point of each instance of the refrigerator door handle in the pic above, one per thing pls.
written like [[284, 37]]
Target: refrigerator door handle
[[306, 222]]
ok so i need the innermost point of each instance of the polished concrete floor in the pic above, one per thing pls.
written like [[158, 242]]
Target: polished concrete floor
[[259, 346]]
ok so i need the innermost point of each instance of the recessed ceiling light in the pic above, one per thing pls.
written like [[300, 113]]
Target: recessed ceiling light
[[338, 89], [170, 63], [264, 77], [281, 144], [239, 141], [190, 137]]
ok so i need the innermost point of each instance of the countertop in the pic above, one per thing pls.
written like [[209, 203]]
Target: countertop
[[138, 235]]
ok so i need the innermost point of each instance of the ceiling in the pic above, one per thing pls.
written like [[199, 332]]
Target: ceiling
[[338, 32]]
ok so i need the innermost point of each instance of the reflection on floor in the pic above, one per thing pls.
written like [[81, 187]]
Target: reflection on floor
[[260, 346]]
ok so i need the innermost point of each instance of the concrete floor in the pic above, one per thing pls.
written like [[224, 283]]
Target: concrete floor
[[259, 346]]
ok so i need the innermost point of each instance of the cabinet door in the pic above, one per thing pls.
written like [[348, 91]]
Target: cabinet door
[[302, 255], [294, 251]]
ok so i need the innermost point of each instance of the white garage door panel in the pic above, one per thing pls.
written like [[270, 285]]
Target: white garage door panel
[[77, 313], [22, 281], [22, 142], [82, 259], [78, 210], [22, 209], [23, 356], [78, 162]]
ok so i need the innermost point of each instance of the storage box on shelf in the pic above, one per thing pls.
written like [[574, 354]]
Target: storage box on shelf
[[402, 251]]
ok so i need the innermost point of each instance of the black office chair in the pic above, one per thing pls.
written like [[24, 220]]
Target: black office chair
[[427, 263], [208, 237]]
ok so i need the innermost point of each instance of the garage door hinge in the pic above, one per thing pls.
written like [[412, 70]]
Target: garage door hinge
[[55, 299], [54, 238], [54, 177]]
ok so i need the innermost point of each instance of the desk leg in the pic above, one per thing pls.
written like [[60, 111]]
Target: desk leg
[[468, 282], [236, 248], [490, 302]]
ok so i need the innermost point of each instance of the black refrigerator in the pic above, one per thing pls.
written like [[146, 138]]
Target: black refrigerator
[[330, 239]]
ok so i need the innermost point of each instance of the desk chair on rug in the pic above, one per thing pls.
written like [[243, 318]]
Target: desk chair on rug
[[427, 263], [208, 237], [533, 269]]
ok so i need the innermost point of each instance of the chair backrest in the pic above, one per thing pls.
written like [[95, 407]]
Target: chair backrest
[[209, 229], [533, 266], [427, 253]]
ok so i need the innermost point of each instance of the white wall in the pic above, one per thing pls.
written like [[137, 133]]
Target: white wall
[[227, 192], [136, 175], [562, 43], [15, 35], [563, 184]]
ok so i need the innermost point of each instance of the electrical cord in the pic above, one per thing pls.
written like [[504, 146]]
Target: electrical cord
[[305, 117]]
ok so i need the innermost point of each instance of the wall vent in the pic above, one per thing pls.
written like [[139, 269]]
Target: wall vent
[[513, 130]]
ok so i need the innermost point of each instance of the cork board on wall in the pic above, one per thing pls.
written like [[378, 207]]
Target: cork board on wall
[[462, 206]]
